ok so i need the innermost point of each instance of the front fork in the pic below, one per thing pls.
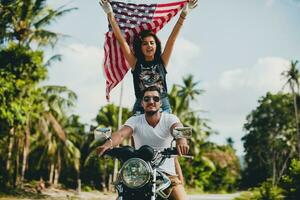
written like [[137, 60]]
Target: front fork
[[154, 185], [120, 192]]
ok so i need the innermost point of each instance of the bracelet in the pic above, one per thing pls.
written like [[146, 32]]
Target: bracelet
[[182, 17]]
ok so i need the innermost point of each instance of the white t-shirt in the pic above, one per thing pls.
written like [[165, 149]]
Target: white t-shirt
[[158, 137]]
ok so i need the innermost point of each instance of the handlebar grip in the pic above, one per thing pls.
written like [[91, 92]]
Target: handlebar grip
[[173, 151], [188, 156]]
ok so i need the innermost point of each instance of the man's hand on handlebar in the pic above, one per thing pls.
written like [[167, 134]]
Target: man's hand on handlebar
[[182, 146], [101, 149]]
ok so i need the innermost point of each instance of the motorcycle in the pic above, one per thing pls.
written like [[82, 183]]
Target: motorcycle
[[139, 177]]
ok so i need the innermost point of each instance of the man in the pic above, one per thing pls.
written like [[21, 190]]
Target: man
[[153, 128]]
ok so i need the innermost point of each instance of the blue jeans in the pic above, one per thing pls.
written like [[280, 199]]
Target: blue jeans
[[138, 109]]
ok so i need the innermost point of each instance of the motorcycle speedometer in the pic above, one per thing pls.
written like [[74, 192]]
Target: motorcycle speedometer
[[135, 173]]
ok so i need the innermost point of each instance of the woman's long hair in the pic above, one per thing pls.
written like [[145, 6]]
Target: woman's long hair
[[137, 44]]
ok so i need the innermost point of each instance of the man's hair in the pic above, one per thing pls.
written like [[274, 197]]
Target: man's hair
[[137, 44], [152, 88]]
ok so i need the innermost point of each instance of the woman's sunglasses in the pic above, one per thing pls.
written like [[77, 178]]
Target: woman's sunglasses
[[148, 98]]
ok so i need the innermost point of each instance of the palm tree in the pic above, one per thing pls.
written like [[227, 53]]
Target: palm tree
[[25, 21], [57, 147], [292, 75], [188, 90], [180, 98]]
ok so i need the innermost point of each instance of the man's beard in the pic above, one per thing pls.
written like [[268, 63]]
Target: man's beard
[[151, 113]]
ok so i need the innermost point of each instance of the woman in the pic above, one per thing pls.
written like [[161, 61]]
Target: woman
[[148, 63]]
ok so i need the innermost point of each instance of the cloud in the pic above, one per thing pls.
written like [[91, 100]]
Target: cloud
[[185, 53], [269, 3], [80, 70], [231, 97], [265, 75]]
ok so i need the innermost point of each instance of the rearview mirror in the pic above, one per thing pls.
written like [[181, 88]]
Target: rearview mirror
[[102, 134], [182, 132]]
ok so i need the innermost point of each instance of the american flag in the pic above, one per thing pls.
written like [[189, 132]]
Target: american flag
[[132, 19]]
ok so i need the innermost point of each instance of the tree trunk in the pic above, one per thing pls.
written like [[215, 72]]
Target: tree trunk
[[297, 122], [17, 163], [56, 176], [51, 174], [9, 150], [78, 183], [57, 170], [25, 151], [284, 166], [273, 169]]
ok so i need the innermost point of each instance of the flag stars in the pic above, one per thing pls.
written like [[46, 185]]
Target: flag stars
[[129, 13], [136, 10]]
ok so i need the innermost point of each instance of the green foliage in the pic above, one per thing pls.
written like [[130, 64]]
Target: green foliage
[[25, 21], [269, 192], [197, 171], [226, 175], [28, 114], [214, 168], [291, 181], [270, 139], [108, 116], [266, 191], [20, 70]]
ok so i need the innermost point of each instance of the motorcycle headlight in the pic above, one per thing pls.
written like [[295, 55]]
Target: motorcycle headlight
[[135, 173]]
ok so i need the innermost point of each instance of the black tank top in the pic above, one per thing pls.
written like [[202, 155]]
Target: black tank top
[[149, 73]]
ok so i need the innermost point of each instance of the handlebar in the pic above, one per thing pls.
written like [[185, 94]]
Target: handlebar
[[173, 152]]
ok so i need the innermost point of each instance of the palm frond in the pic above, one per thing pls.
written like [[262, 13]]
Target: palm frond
[[38, 6], [52, 59], [52, 16]]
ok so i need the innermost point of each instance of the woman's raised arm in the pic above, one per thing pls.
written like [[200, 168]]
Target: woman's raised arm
[[173, 36], [131, 59]]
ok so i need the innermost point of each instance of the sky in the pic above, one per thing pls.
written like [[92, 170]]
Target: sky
[[236, 49]]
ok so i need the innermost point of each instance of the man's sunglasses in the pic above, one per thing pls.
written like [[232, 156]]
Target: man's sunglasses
[[148, 98]]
